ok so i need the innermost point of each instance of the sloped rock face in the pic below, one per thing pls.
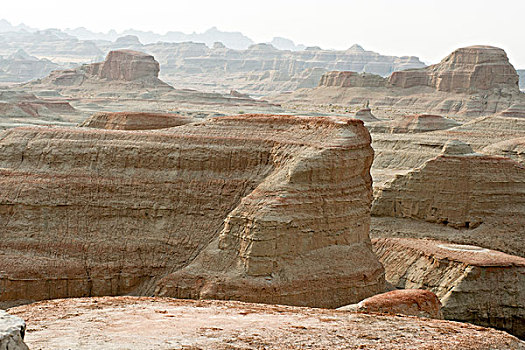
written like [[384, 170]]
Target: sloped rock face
[[411, 302], [352, 79], [161, 323], [459, 190], [414, 124], [258, 208], [514, 149], [474, 284], [466, 70], [135, 121]]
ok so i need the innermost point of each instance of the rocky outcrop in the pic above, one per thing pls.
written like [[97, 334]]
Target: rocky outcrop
[[158, 323], [474, 284], [258, 208], [466, 70], [365, 114], [458, 188], [133, 68], [513, 149], [12, 331], [352, 79], [21, 67], [414, 124], [411, 302], [135, 121]]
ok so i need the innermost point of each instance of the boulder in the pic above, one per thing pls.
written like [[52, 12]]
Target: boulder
[[135, 120], [411, 302], [12, 331], [259, 208], [474, 284]]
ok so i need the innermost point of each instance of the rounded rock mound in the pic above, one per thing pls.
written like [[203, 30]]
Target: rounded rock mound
[[135, 121]]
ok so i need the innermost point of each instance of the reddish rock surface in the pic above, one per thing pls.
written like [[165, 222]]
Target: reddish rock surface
[[415, 302], [474, 284], [262, 208], [135, 121], [161, 323]]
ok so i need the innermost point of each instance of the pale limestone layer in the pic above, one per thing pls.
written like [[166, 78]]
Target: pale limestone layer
[[259, 208], [474, 284]]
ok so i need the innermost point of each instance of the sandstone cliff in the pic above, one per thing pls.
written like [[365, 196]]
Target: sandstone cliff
[[259, 208], [414, 124], [474, 284], [352, 79]]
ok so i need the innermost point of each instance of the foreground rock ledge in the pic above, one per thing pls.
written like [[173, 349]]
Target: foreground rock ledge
[[161, 323], [12, 331], [257, 208]]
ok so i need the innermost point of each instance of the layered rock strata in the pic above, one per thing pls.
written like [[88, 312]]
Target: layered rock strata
[[352, 79], [12, 331], [159, 323], [414, 124], [411, 302], [135, 121], [255, 207], [513, 148], [474, 284]]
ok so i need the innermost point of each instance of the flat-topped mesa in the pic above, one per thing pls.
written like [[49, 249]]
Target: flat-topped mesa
[[260, 208], [135, 120], [467, 70], [474, 284], [352, 79], [124, 65], [120, 66]]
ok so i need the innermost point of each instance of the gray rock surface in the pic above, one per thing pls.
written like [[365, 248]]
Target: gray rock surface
[[12, 331]]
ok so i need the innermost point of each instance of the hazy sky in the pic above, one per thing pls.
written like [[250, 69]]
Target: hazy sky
[[429, 29]]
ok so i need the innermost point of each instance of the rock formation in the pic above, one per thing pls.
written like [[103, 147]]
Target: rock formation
[[466, 70], [352, 79], [259, 208], [513, 149], [21, 67], [19, 108], [414, 124], [135, 69], [158, 323], [12, 331], [135, 121], [474, 284], [411, 302], [462, 189], [472, 81]]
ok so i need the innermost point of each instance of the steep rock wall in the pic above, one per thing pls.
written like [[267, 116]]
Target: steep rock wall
[[255, 208]]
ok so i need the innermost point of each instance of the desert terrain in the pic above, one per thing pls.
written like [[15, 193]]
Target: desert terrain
[[157, 193]]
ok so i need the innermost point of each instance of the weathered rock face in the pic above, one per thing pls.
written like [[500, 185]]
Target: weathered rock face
[[414, 124], [21, 67], [474, 284], [120, 66], [259, 208], [12, 331], [411, 302], [514, 149], [365, 114], [466, 70], [352, 79], [135, 121], [458, 188], [125, 65], [127, 322]]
